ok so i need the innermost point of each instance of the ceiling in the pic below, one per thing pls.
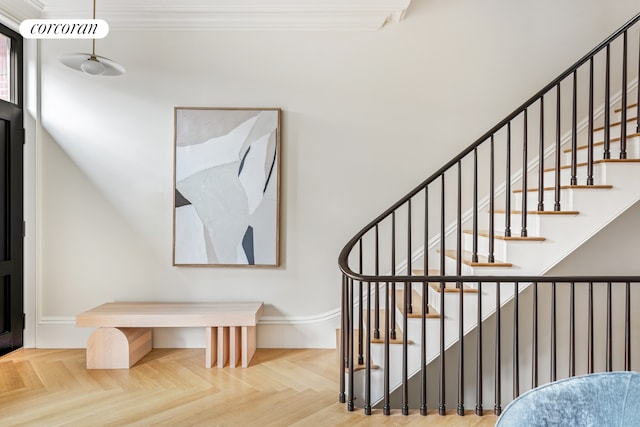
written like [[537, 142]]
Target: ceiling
[[364, 15]]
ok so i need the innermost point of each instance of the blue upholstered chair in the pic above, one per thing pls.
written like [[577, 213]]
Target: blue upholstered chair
[[603, 399]]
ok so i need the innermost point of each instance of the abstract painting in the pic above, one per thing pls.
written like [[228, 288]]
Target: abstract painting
[[226, 182]]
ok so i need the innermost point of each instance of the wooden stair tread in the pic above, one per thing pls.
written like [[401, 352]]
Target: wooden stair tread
[[595, 162], [357, 367], [416, 306], [619, 109], [485, 233], [569, 187], [420, 272], [449, 286], [517, 212], [629, 120], [600, 143], [483, 261], [399, 336]]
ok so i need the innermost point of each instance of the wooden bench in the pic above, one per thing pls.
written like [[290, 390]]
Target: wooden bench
[[124, 330]]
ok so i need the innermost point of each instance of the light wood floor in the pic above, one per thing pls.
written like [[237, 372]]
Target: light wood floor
[[172, 388]]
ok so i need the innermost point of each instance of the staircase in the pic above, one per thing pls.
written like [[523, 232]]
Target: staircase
[[467, 244]]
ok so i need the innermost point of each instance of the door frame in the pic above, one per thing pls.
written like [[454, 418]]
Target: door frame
[[16, 198]]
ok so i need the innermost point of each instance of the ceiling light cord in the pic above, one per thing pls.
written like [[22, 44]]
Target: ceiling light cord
[[92, 64]]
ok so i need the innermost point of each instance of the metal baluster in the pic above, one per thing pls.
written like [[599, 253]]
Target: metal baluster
[[350, 404], [405, 367], [393, 273], [442, 220], [474, 254], [556, 205], [492, 210], [409, 296], [361, 317], [609, 338], [441, 406], [507, 195], [554, 340], [459, 229], [534, 335], [590, 136], [423, 352], [590, 362], [376, 328], [425, 250], [523, 232], [607, 106], [479, 353], [627, 327], [623, 121], [460, 407], [516, 341], [367, 374], [541, 159], [497, 408], [343, 336], [574, 131], [572, 330], [386, 409]]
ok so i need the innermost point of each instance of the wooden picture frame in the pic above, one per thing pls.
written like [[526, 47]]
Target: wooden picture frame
[[226, 187]]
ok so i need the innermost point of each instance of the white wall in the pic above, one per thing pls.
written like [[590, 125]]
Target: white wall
[[366, 116]]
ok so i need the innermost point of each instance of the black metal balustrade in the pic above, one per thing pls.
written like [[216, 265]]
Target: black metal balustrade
[[469, 192]]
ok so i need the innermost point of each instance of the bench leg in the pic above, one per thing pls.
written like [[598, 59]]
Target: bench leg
[[235, 345], [223, 346], [211, 349], [248, 344], [117, 348]]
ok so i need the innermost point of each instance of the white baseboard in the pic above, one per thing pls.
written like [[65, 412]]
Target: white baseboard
[[61, 332]]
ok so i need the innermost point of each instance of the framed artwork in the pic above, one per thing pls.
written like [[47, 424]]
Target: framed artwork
[[226, 187]]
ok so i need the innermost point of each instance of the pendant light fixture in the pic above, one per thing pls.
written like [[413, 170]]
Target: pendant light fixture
[[92, 64]]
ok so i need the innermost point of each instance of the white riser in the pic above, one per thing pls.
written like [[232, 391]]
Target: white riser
[[565, 176], [631, 112], [633, 151], [569, 198], [501, 247], [598, 136]]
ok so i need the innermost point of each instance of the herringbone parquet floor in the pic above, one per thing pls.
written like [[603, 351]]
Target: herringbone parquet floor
[[172, 388]]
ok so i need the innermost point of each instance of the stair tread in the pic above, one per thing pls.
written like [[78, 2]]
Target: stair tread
[[629, 120], [357, 367], [619, 109], [599, 143], [483, 261], [595, 162], [485, 233], [399, 336], [420, 272], [569, 187], [449, 286], [517, 212], [416, 306]]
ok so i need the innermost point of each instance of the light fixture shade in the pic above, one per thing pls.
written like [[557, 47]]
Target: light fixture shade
[[92, 64]]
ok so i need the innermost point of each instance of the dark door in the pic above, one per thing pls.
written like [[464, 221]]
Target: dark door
[[11, 227]]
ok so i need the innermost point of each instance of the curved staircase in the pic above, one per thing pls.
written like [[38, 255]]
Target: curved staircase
[[437, 270]]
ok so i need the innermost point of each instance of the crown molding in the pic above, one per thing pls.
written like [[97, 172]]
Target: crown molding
[[315, 15], [16, 11]]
